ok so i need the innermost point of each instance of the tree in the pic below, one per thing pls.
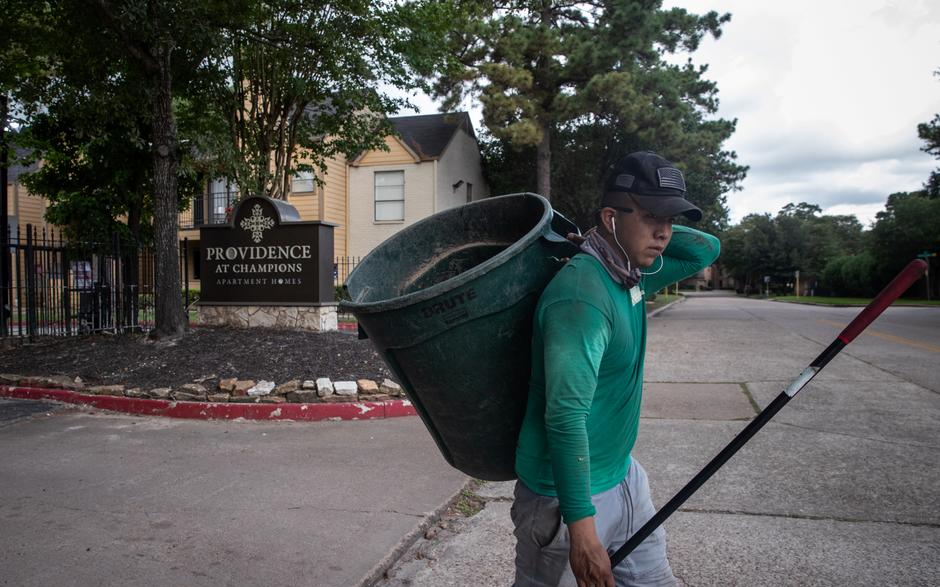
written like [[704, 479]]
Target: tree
[[139, 47], [929, 132], [798, 238], [544, 67], [302, 82], [909, 225]]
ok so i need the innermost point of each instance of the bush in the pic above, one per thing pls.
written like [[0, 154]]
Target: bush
[[850, 275], [193, 296]]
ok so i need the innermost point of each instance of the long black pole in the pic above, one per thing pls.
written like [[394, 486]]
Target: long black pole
[[5, 281], [898, 285]]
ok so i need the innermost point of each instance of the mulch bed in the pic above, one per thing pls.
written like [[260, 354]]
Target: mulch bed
[[204, 353]]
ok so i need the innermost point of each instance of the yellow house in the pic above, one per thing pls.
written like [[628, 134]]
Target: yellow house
[[23, 208], [432, 163]]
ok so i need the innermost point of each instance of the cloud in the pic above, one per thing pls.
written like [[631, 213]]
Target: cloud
[[827, 99]]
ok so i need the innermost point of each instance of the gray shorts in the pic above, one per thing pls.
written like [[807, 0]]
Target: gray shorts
[[542, 539]]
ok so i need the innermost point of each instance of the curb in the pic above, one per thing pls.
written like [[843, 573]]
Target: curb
[[666, 307], [430, 518], [220, 411]]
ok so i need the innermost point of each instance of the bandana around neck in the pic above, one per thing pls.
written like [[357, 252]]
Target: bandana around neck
[[612, 259]]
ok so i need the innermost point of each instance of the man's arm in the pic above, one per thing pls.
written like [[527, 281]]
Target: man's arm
[[575, 335], [688, 252]]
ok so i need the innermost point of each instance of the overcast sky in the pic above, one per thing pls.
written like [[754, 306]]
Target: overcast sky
[[827, 94]]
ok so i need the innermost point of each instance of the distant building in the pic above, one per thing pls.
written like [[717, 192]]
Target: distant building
[[432, 164]]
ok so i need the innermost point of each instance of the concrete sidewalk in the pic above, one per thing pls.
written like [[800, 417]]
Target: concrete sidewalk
[[102, 499]]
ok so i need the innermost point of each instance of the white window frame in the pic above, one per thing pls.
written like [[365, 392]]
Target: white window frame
[[303, 182], [386, 192]]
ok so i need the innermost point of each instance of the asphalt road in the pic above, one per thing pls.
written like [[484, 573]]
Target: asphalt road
[[904, 340]]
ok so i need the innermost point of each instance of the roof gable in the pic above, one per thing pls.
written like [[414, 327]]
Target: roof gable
[[429, 134]]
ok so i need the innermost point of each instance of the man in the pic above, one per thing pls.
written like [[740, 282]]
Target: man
[[580, 494]]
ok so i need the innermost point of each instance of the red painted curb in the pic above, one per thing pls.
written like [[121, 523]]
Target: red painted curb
[[220, 411]]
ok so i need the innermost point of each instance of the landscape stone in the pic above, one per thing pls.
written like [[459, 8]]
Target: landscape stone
[[242, 386], [367, 386], [243, 399], [391, 388], [183, 396], [194, 388], [135, 392], [106, 389], [60, 382], [227, 384], [273, 399], [204, 378], [377, 397], [160, 392], [345, 388], [309, 384], [261, 388], [218, 397], [287, 387], [302, 396], [324, 387], [10, 378], [333, 399]]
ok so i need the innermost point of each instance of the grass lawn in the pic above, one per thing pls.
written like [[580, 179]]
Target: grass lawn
[[661, 300], [848, 301]]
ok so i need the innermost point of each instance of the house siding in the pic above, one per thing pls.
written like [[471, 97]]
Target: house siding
[[27, 208], [364, 232], [396, 154], [460, 161]]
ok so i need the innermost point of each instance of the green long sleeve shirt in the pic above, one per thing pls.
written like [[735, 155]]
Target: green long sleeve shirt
[[588, 346]]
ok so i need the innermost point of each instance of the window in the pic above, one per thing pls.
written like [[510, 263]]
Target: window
[[469, 192], [222, 196], [389, 196], [303, 181]]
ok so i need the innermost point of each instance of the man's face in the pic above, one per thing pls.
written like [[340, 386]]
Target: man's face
[[642, 234]]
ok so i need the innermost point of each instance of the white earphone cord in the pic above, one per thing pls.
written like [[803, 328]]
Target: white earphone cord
[[613, 226]]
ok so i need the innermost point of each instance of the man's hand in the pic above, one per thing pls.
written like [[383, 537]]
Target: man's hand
[[589, 561]]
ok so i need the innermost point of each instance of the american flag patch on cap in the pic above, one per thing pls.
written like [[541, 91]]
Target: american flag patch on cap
[[670, 177]]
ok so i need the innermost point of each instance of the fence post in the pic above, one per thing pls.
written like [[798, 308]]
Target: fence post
[[30, 284], [66, 294], [186, 276]]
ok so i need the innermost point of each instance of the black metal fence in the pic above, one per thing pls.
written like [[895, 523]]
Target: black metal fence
[[59, 288]]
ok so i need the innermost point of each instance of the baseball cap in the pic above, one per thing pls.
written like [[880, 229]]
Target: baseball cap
[[653, 182]]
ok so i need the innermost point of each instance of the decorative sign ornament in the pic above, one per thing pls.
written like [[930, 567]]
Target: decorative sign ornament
[[257, 223]]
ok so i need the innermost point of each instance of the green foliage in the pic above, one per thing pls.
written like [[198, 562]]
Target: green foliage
[[850, 275], [796, 239], [302, 82], [909, 225], [569, 88], [929, 132], [192, 298]]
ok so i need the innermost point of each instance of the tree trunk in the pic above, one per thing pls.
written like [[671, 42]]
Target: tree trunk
[[169, 318], [543, 163]]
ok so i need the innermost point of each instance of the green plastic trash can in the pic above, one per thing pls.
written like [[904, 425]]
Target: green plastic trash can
[[448, 303]]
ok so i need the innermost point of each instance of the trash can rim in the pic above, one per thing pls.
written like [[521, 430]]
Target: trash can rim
[[541, 227]]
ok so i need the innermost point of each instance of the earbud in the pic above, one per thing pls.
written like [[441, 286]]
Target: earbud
[[613, 224]]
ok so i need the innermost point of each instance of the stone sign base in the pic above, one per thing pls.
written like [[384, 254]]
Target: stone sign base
[[315, 318]]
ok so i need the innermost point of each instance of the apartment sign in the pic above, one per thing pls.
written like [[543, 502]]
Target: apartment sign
[[266, 255]]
